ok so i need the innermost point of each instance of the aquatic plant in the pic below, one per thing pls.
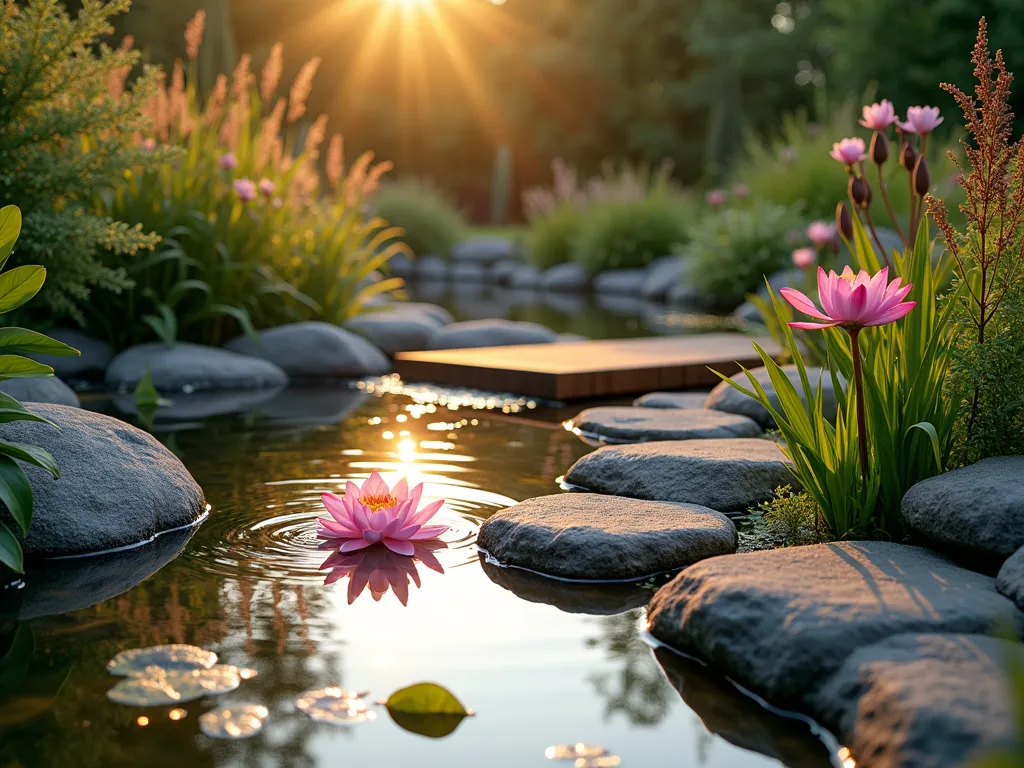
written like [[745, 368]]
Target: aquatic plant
[[379, 514]]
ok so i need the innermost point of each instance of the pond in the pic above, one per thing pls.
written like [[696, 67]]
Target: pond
[[539, 662]]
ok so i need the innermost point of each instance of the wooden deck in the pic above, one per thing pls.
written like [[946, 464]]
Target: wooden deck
[[585, 369]]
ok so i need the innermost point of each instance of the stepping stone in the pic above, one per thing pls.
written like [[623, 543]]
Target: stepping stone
[[623, 424], [979, 508], [1010, 581], [780, 622], [200, 405], [936, 700], [491, 333], [621, 282], [96, 355], [438, 314], [431, 268], [48, 390], [662, 276], [728, 475], [118, 485], [395, 331], [726, 398], [468, 272], [315, 350], [587, 537], [565, 277], [484, 250], [685, 400], [191, 367]]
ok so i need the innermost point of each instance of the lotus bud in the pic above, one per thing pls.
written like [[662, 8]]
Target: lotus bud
[[922, 178], [844, 221], [860, 192], [879, 148], [908, 156]]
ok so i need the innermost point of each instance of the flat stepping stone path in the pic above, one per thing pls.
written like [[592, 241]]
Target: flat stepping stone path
[[191, 367], [780, 622], [726, 398], [933, 700], [729, 475], [315, 350], [118, 486], [979, 508], [490, 333], [686, 400], [48, 390], [587, 537], [624, 424], [1010, 581]]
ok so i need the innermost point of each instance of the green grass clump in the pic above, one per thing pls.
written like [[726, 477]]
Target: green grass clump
[[632, 234], [430, 221], [553, 234]]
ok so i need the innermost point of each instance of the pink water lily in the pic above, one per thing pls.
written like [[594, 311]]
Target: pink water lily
[[878, 116], [853, 301], [380, 570], [376, 513], [921, 120], [849, 151]]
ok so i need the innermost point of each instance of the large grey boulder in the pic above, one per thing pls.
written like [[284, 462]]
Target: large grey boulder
[[315, 350], [1010, 581], [501, 272], [779, 622], [491, 333], [936, 700], [624, 424], [438, 314], [92, 362], [524, 276], [484, 250], [663, 275], [977, 509], [118, 486], [687, 400], [587, 537], [565, 277], [431, 268], [725, 398], [468, 272], [395, 331], [621, 282], [44, 390], [191, 367], [728, 475]]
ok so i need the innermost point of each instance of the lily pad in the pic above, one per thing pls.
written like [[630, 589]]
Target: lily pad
[[427, 709], [604, 761], [335, 706], [578, 751], [169, 657], [239, 721], [157, 687]]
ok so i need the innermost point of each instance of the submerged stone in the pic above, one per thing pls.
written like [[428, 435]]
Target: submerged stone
[[395, 331], [190, 368], [936, 700], [685, 400], [587, 537], [728, 475], [1010, 581], [780, 622], [315, 350], [49, 390], [565, 277], [726, 398], [621, 282], [491, 333], [623, 424]]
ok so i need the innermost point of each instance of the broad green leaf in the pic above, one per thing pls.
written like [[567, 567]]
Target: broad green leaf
[[16, 492], [933, 437], [22, 341], [12, 410], [18, 367], [18, 285], [10, 550], [10, 228], [426, 709], [146, 393], [32, 454]]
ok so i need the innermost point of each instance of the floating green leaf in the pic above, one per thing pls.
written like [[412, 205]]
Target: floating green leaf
[[427, 709]]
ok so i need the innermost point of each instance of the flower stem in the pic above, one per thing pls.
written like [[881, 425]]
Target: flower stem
[[858, 383], [888, 206]]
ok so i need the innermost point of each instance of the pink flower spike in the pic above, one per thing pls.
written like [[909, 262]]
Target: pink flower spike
[[267, 187], [228, 161], [849, 151], [852, 301], [245, 189], [921, 120], [878, 116], [804, 258]]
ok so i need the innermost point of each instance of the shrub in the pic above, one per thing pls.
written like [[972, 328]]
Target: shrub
[[552, 235], [623, 183], [623, 235], [789, 519], [735, 248], [430, 222], [64, 138]]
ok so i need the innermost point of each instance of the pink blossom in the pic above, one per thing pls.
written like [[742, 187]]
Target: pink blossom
[[715, 197], [267, 187], [376, 513], [921, 120], [380, 569], [245, 189], [878, 116], [804, 257], [849, 151], [149, 145], [853, 301], [228, 161], [821, 233], [740, 190]]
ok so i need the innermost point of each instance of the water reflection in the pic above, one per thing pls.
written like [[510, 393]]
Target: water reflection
[[379, 569]]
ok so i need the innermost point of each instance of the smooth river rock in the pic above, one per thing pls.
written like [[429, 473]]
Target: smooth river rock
[[625, 424], [91, 363], [118, 486], [43, 390], [1010, 581], [587, 537], [663, 275], [491, 333], [979, 508], [315, 350], [780, 622], [395, 331], [565, 277], [935, 700], [686, 400], [191, 367], [725, 398], [729, 475], [621, 282], [485, 250]]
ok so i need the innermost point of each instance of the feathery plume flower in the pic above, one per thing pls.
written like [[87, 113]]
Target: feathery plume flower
[[878, 116], [335, 166], [848, 151], [241, 79], [921, 120], [270, 78], [215, 103], [315, 137], [194, 34], [301, 89]]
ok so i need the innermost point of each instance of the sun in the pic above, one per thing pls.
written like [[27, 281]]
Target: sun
[[409, 3]]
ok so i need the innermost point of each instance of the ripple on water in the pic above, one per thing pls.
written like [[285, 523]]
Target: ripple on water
[[278, 540]]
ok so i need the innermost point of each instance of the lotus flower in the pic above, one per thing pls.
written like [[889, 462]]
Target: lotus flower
[[821, 233], [376, 513], [878, 116], [848, 151], [380, 569], [853, 301], [922, 120], [804, 257]]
